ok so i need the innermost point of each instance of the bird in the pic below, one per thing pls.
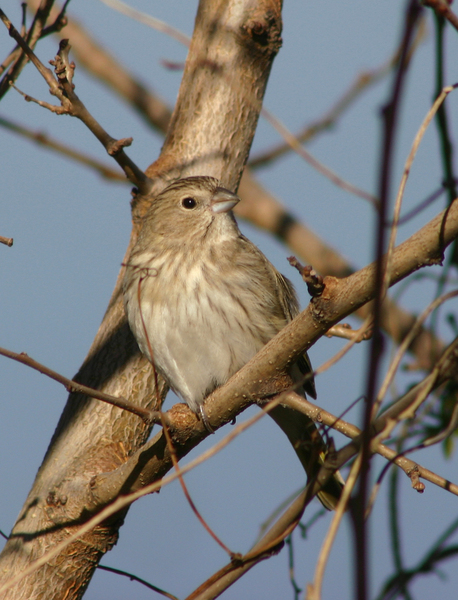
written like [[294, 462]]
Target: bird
[[201, 299]]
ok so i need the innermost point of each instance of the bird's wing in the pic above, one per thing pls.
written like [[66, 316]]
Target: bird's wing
[[290, 307]]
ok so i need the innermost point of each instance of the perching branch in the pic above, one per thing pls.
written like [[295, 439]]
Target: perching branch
[[338, 300]]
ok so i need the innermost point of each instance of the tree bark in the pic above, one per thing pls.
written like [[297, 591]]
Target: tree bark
[[211, 131]]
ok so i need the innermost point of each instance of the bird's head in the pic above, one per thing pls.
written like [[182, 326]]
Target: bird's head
[[190, 208]]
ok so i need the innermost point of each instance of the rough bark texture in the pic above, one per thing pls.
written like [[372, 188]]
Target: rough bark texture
[[211, 132]]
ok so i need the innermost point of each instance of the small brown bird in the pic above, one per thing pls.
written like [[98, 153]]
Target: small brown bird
[[209, 299]]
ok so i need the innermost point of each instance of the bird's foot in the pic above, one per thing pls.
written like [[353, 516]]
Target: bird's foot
[[204, 419]]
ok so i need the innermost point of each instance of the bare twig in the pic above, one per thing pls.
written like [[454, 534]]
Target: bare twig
[[148, 20], [48, 142], [17, 58], [314, 589], [269, 544], [133, 577], [405, 344], [108, 70], [396, 584], [351, 431], [408, 165], [419, 208], [390, 116], [442, 8], [445, 136], [7, 241], [449, 430], [73, 386], [360, 84], [63, 89], [403, 408], [344, 330], [295, 145], [191, 503], [315, 285]]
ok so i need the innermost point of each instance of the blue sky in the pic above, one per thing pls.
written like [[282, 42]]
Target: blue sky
[[70, 232]]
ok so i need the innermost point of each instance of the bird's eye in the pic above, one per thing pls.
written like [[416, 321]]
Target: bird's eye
[[188, 202]]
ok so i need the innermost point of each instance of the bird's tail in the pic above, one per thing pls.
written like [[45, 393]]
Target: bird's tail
[[311, 450], [330, 494]]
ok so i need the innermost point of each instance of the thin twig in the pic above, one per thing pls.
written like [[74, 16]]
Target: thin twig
[[48, 142], [429, 563], [148, 20], [397, 211], [314, 282], [351, 431], [345, 331], [361, 82], [139, 579], [73, 386], [422, 205], [18, 58], [314, 589], [390, 117], [295, 145], [364, 332], [191, 503], [405, 344], [63, 89]]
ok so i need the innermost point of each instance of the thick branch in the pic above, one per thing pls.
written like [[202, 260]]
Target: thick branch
[[218, 107]]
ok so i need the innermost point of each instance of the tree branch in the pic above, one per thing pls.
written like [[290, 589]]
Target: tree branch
[[73, 386], [223, 85], [259, 206], [63, 89], [261, 377]]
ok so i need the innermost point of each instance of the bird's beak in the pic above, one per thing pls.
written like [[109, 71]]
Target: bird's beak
[[223, 200]]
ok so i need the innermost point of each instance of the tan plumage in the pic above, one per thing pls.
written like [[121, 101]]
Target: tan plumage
[[210, 300]]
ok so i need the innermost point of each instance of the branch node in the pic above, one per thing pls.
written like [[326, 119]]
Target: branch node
[[115, 146], [236, 559], [344, 330], [63, 68], [414, 475], [315, 282]]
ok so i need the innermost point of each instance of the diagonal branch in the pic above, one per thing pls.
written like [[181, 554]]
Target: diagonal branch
[[225, 78], [261, 377], [63, 88], [20, 59], [73, 386]]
